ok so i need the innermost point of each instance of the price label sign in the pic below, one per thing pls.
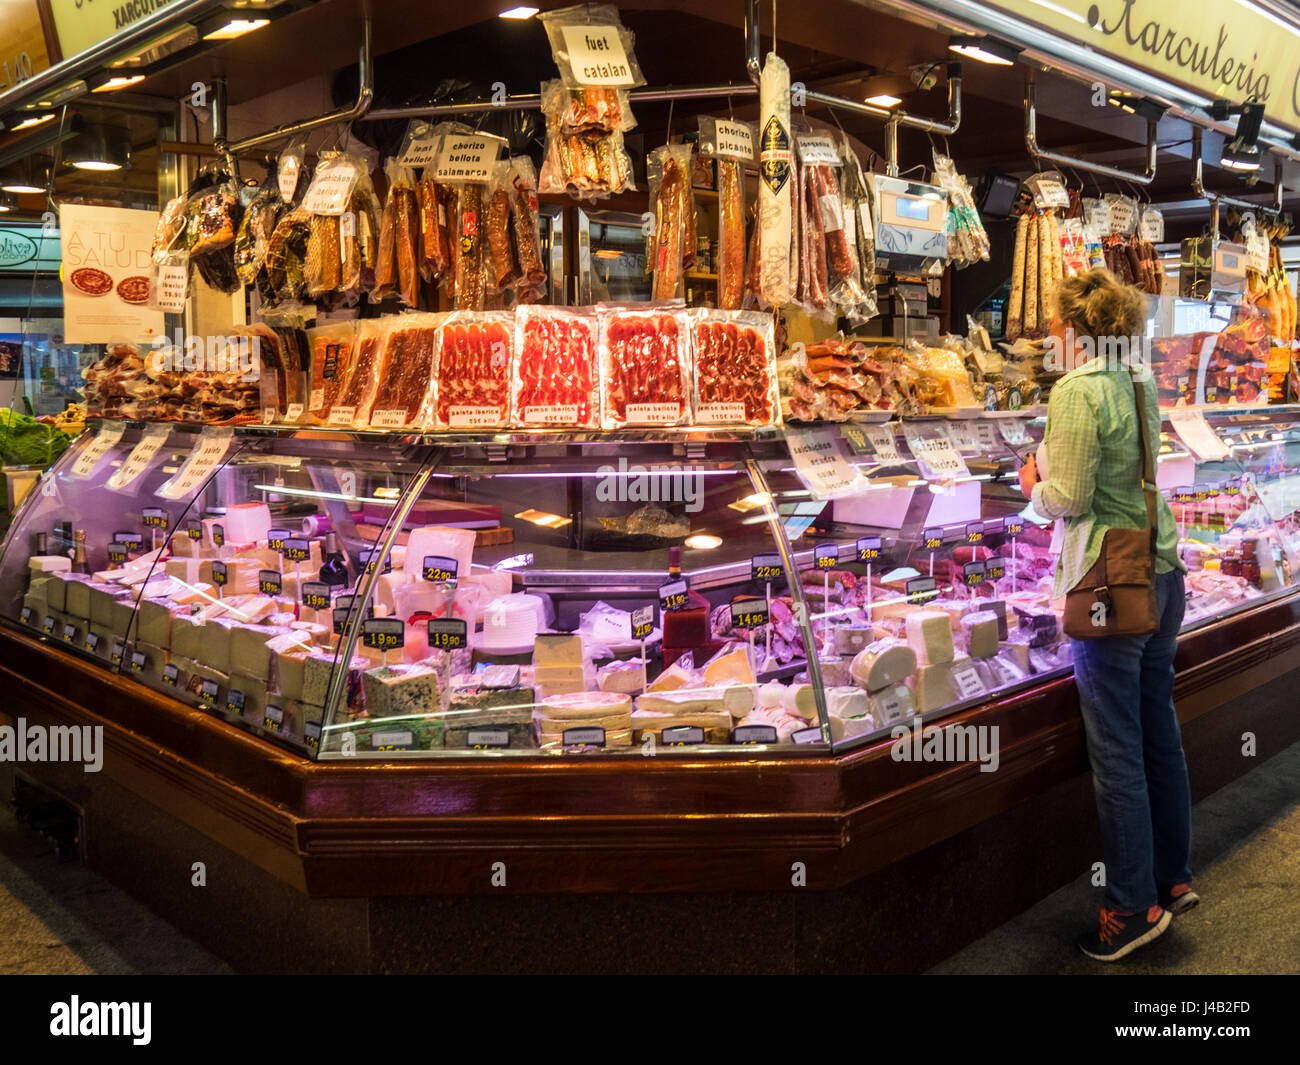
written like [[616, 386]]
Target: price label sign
[[748, 735], [735, 140], [275, 538], [273, 719], [448, 634], [269, 582], [92, 643], [47, 626], [69, 633], [138, 661], [967, 683], [311, 734], [296, 550], [235, 701], [868, 548], [932, 539], [583, 736], [856, 439], [643, 622], [109, 434], [1201, 492], [1013, 526], [170, 674], [141, 455], [994, 569], [1231, 488], [682, 736], [1215, 490], [821, 463], [973, 573], [765, 567], [921, 589], [1184, 494], [383, 634], [486, 739], [826, 556], [749, 613], [672, 596], [806, 735], [975, 532], [883, 443], [316, 595], [26, 615], [208, 692], [219, 535], [370, 557], [118, 553], [119, 652], [194, 530], [440, 569], [936, 458], [220, 575], [154, 517], [133, 540], [343, 606]]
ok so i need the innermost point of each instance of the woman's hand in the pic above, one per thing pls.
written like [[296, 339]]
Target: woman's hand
[[1029, 477]]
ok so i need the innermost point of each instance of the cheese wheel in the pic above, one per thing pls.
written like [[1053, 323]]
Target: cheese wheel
[[846, 702], [883, 663], [584, 705]]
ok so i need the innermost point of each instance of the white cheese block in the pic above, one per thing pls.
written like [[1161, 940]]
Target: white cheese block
[[154, 660], [891, 705], [625, 677], [386, 590], [437, 540], [934, 687], [214, 646], [846, 702], [845, 728], [246, 522], [49, 564], [185, 569], [999, 607], [614, 722], [1016, 652], [288, 661], [584, 705], [314, 631], [553, 651], [38, 606], [560, 680], [102, 598], [401, 691], [249, 654], [123, 612], [885, 662], [980, 633], [929, 634], [800, 701], [154, 622], [56, 592], [77, 599], [675, 676]]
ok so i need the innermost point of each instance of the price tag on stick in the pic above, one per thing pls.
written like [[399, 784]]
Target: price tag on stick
[[448, 634]]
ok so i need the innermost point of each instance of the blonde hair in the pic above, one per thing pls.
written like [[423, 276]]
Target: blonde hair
[[1098, 304]]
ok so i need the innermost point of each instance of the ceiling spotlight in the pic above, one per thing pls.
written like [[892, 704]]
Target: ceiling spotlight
[[518, 13], [1137, 105], [6, 202], [99, 148], [30, 176], [227, 29], [883, 100], [1243, 152], [985, 49], [35, 120], [114, 82]]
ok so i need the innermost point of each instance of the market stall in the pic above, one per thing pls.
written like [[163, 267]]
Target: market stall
[[611, 488]]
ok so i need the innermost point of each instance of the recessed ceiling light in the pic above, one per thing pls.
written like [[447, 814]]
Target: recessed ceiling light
[[985, 49], [518, 13], [703, 542], [96, 164], [884, 100], [236, 27]]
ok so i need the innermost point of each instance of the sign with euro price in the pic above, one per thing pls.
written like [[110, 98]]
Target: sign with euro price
[[370, 557], [975, 532], [132, 540], [275, 538], [118, 553], [269, 582], [682, 736], [826, 556], [119, 651], [868, 548], [747, 735], [643, 622], [235, 701], [440, 569], [26, 615], [154, 517], [749, 613], [974, 574], [1013, 526], [343, 606], [383, 634], [672, 596], [138, 661], [273, 719], [583, 736], [219, 535], [194, 530], [765, 567], [220, 575], [295, 550], [92, 642], [69, 633], [921, 589], [448, 634], [47, 626], [994, 569], [170, 674], [208, 692], [316, 595], [932, 539], [487, 739]]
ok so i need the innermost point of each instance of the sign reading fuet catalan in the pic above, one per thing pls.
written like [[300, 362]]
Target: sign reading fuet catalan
[[82, 24], [1232, 49]]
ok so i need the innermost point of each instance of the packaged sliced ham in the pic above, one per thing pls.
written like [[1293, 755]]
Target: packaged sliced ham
[[351, 409], [557, 379], [732, 353], [645, 368], [473, 372], [407, 379], [333, 348]]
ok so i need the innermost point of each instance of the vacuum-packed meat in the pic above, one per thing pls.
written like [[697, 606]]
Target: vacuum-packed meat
[[556, 380], [735, 369], [408, 373], [473, 375], [645, 376]]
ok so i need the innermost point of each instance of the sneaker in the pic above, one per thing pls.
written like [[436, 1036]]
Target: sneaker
[[1119, 934], [1178, 899]]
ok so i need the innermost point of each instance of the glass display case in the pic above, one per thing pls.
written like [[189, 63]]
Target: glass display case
[[585, 594]]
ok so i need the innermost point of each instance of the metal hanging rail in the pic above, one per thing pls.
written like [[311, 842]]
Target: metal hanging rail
[[1215, 199], [365, 96], [1038, 152], [892, 119]]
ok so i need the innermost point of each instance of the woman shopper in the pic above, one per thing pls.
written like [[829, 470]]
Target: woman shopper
[[1093, 465]]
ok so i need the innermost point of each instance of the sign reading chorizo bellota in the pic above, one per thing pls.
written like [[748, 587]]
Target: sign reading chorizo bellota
[[106, 275]]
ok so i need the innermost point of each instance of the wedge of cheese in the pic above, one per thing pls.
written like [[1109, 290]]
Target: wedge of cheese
[[933, 687], [401, 690], [980, 634], [732, 665], [929, 634]]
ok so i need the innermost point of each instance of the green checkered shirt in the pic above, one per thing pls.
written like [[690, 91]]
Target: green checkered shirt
[[1094, 468]]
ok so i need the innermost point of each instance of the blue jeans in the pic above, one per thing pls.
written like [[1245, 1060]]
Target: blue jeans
[[1139, 773]]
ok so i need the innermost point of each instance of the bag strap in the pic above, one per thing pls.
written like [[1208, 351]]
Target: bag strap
[[1148, 477]]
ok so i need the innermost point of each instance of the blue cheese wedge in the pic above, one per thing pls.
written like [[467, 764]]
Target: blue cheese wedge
[[400, 690]]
